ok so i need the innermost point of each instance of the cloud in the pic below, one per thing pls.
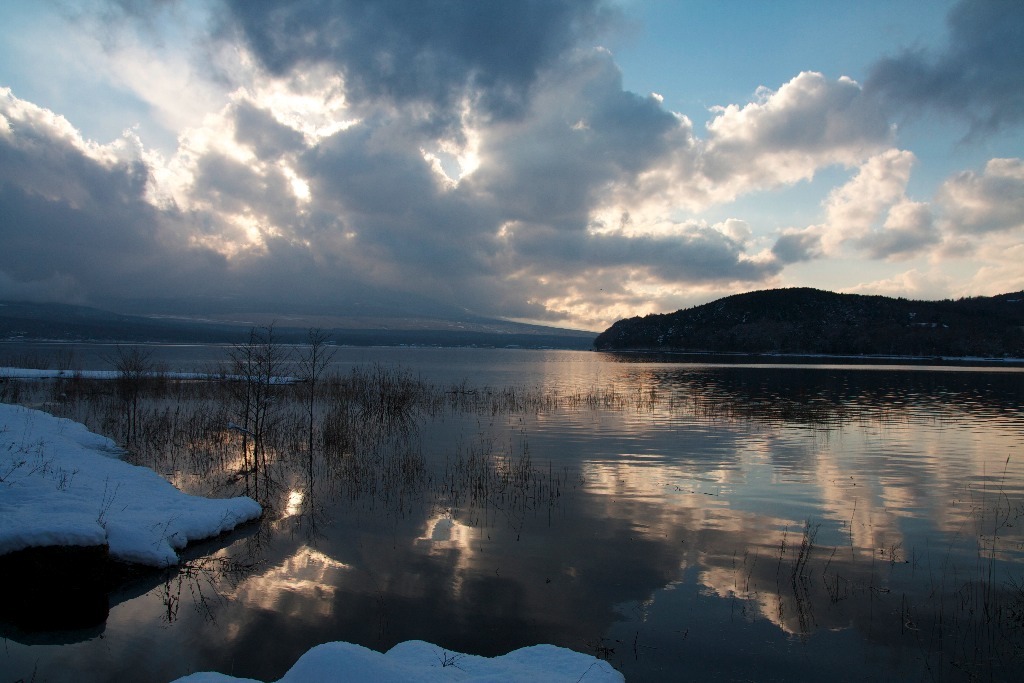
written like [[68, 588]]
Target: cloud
[[76, 215], [435, 54], [1001, 274], [911, 284], [870, 213], [265, 135], [434, 156], [993, 201], [981, 216], [853, 208], [693, 254], [909, 228], [973, 215], [976, 77], [779, 139], [149, 65], [582, 139], [787, 135], [795, 245], [42, 290], [271, 211]]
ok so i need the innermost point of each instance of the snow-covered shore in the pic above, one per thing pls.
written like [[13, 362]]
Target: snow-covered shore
[[62, 485], [32, 373], [416, 660]]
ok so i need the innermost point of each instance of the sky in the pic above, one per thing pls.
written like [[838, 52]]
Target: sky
[[563, 162]]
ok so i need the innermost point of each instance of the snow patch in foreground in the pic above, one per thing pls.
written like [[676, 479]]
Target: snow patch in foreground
[[62, 485], [416, 660], [32, 374]]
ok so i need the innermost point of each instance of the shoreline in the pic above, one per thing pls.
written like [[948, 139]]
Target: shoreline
[[846, 360], [76, 520]]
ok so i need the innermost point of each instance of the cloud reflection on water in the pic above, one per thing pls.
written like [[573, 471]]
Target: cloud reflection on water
[[676, 538]]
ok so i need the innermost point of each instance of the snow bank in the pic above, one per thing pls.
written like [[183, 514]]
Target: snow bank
[[31, 373], [62, 485], [416, 660]]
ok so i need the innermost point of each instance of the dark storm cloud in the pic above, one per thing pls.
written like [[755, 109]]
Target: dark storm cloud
[[697, 255], [979, 76], [794, 247], [897, 245], [582, 134], [369, 166], [394, 205], [259, 130], [76, 225], [70, 218], [234, 187], [432, 53], [40, 157]]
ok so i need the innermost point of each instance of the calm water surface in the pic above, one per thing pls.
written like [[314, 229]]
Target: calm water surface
[[683, 521]]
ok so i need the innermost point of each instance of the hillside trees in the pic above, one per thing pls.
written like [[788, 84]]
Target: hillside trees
[[810, 321]]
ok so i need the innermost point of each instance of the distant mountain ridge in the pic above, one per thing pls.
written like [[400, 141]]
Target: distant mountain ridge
[[813, 321], [28, 321]]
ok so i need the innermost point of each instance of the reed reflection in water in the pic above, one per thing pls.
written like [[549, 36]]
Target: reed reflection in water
[[707, 521]]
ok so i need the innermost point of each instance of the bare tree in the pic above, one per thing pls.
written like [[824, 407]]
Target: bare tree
[[243, 375], [257, 364], [133, 366], [312, 363]]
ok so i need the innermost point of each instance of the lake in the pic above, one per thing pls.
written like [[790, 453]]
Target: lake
[[685, 521]]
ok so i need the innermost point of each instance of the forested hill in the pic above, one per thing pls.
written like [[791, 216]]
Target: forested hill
[[812, 321]]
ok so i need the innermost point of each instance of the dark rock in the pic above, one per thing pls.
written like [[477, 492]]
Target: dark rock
[[58, 589]]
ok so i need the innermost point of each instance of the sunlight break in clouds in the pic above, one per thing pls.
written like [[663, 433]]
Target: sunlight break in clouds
[[486, 158]]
